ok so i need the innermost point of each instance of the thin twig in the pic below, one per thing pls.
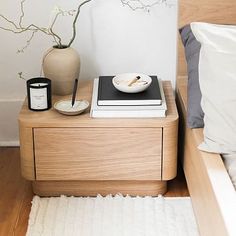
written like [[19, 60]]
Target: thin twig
[[20, 74], [3, 28], [22, 13], [27, 42], [32, 27], [19, 28], [140, 5], [52, 32], [23, 29], [9, 21], [75, 20]]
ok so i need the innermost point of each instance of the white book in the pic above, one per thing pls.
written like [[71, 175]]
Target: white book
[[141, 111]]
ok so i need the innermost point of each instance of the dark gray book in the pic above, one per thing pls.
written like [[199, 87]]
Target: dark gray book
[[109, 95]]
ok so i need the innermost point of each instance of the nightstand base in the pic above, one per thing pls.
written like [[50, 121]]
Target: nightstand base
[[93, 188], [84, 156]]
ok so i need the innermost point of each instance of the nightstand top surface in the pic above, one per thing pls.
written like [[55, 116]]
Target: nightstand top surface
[[52, 118]]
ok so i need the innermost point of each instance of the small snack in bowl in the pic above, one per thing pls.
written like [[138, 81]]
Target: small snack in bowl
[[131, 82]]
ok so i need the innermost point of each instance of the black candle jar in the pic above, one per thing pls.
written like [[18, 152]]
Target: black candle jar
[[39, 94]]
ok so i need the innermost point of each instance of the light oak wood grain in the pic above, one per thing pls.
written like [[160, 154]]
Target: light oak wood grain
[[84, 148], [169, 151], [211, 11], [52, 118], [212, 193], [210, 188], [93, 188], [27, 152], [16, 197], [16, 194], [98, 153]]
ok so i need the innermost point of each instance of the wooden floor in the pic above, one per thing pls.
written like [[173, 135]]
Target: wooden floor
[[16, 193]]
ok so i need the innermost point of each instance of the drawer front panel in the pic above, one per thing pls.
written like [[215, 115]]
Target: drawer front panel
[[98, 153]]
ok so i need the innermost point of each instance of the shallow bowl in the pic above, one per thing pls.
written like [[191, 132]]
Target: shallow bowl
[[131, 82], [64, 107]]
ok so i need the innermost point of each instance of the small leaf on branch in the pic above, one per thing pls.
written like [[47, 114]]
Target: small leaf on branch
[[20, 74]]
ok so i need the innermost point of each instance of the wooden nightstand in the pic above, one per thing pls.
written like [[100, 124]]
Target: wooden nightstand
[[79, 155]]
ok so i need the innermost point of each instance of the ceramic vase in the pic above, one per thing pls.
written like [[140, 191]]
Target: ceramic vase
[[62, 67]]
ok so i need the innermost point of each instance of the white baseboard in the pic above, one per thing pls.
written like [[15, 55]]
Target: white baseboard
[[9, 132], [10, 143]]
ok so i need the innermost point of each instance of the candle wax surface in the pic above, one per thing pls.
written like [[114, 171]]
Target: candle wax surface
[[38, 84]]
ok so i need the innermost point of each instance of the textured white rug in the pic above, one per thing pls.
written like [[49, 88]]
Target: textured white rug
[[111, 216]]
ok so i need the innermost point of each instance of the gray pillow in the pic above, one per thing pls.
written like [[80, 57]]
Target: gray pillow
[[192, 48]]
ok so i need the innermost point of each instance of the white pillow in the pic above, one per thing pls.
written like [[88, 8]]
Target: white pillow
[[217, 78]]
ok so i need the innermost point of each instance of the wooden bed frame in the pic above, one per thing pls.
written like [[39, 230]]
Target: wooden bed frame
[[212, 193]]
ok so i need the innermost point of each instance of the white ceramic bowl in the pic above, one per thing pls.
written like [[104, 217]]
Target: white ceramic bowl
[[64, 107], [131, 82]]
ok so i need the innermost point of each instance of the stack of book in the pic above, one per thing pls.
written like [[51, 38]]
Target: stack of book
[[108, 102]]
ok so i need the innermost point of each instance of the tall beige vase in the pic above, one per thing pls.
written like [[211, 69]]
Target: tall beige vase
[[62, 67]]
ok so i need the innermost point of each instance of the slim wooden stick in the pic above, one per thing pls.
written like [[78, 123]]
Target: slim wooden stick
[[134, 80]]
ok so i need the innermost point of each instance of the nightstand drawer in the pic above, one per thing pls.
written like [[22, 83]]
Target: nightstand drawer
[[98, 153]]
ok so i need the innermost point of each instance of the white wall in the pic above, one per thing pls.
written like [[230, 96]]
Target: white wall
[[111, 39]]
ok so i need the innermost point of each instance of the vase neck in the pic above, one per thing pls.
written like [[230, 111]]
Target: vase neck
[[60, 47]]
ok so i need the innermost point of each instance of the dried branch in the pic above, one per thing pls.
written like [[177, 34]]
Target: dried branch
[[141, 5], [53, 33], [20, 74], [9, 21], [27, 43], [75, 20], [19, 28], [22, 13], [59, 13]]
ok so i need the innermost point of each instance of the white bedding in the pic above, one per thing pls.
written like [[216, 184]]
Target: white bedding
[[230, 164], [217, 80]]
